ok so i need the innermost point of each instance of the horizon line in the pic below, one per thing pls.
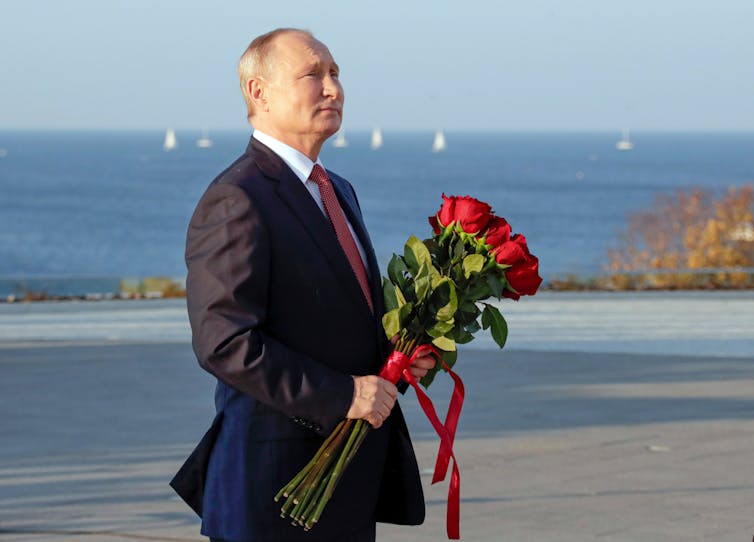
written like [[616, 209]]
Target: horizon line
[[396, 130]]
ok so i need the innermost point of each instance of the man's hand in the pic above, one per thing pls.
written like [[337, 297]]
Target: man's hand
[[373, 399], [421, 366]]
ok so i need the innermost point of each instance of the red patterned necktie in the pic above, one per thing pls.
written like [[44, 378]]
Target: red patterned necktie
[[339, 224]]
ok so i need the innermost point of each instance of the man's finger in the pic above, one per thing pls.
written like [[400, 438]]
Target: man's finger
[[425, 362]]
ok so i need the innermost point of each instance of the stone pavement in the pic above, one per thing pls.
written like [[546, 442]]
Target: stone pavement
[[553, 445]]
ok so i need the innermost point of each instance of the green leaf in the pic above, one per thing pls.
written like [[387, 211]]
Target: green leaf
[[416, 254], [449, 358], [472, 263], [459, 250], [422, 282], [468, 312], [472, 327], [447, 232], [491, 318], [433, 246], [496, 287], [460, 334], [388, 292], [396, 271], [479, 290], [444, 343], [391, 322], [408, 292], [404, 314], [440, 328], [443, 302], [469, 306], [399, 296]]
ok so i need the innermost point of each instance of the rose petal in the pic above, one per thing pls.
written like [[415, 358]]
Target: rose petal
[[509, 253], [498, 232], [435, 224], [446, 213], [524, 277], [473, 215]]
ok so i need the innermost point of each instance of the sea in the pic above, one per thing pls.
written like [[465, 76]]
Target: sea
[[81, 210]]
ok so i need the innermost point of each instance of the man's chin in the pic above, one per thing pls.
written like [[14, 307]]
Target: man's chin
[[330, 131]]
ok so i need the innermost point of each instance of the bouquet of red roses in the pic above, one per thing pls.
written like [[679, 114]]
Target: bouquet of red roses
[[433, 295]]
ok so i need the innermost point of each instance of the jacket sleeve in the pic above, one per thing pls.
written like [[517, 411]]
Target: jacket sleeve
[[228, 259]]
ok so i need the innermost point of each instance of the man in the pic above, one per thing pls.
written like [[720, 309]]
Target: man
[[285, 305]]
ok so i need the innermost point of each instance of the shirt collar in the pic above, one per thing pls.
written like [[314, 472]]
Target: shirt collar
[[300, 163]]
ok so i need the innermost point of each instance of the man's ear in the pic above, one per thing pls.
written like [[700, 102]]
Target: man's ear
[[257, 89]]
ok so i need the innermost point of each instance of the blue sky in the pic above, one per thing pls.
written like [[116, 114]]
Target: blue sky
[[408, 65]]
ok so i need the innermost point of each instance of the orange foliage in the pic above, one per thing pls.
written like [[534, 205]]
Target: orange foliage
[[690, 231]]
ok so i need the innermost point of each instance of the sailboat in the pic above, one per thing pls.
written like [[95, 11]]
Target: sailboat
[[170, 141], [340, 140], [439, 145], [376, 139], [204, 142], [624, 144]]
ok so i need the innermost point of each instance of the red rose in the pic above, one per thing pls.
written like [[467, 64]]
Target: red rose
[[513, 251], [472, 214], [498, 232], [523, 278], [469, 213], [435, 225], [523, 275], [446, 214], [511, 294]]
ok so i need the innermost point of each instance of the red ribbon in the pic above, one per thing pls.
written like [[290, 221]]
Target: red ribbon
[[397, 365]]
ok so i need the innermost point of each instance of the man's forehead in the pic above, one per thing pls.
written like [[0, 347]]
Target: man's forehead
[[302, 48]]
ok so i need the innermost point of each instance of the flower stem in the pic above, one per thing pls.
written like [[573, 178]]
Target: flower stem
[[310, 484], [363, 429], [332, 480], [312, 504], [304, 483], [290, 486]]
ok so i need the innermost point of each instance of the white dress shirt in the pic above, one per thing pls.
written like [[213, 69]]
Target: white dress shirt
[[302, 166]]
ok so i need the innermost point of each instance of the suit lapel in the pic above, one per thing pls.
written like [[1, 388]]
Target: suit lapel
[[292, 191]]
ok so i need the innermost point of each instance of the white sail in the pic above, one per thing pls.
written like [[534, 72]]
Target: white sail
[[625, 143], [204, 142], [170, 141], [340, 140], [439, 145], [376, 139]]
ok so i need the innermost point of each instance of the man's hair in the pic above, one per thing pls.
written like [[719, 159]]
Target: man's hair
[[258, 59]]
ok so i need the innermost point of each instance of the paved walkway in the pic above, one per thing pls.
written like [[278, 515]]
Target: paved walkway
[[554, 444]]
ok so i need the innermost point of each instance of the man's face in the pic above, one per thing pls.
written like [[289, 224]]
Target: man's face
[[304, 96]]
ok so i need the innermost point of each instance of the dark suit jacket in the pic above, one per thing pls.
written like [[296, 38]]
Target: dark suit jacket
[[278, 317]]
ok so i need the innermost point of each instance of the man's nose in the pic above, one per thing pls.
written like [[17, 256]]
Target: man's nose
[[331, 87]]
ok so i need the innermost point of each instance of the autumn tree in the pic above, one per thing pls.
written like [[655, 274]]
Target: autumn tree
[[690, 239]]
